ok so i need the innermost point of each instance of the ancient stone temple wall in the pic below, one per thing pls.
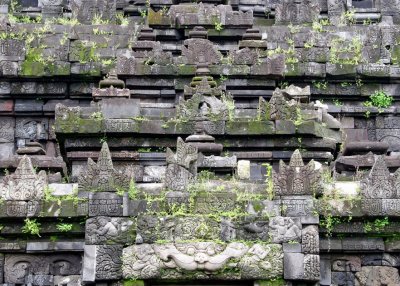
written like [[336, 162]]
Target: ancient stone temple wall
[[237, 142]]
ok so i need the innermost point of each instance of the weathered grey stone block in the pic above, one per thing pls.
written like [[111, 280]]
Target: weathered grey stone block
[[293, 266], [120, 108]]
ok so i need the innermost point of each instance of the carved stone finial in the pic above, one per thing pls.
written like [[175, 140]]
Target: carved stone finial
[[205, 143], [24, 184], [111, 79], [202, 69], [200, 50], [252, 34], [102, 176], [198, 32], [146, 34], [185, 154]]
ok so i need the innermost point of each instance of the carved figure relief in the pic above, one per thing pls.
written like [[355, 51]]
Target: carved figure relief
[[297, 12], [7, 129], [108, 229], [202, 259], [284, 229], [24, 184], [33, 129]]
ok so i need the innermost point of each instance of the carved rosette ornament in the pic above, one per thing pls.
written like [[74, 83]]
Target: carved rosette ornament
[[202, 260], [102, 176], [24, 184], [297, 178]]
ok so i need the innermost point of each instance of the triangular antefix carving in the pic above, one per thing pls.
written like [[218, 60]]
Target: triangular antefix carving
[[24, 184], [102, 176], [297, 178]]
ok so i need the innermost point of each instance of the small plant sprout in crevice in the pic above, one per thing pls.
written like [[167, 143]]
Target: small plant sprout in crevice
[[269, 181], [218, 26], [31, 227], [377, 225], [64, 227], [380, 99]]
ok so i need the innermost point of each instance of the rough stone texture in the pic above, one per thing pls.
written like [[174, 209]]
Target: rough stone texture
[[296, 90]]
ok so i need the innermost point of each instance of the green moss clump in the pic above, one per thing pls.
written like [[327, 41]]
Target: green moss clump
[[186, 69], [275, 282], [133, 283], [29, 68]]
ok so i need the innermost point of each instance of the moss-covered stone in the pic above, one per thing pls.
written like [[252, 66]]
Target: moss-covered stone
[[186, 69], [293, 69], [79, 125], [32, 69], [157, 18], [58, 69], [249, 128]]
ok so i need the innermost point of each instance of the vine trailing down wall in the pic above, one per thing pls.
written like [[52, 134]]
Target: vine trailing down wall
[[215, 142]]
